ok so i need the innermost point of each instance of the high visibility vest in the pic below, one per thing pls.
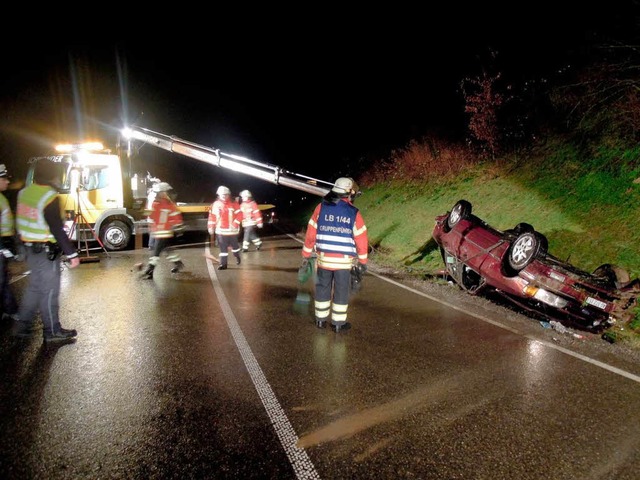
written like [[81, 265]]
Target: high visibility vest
[[336, 223], [329, 234], [7, 227], [30, 221]]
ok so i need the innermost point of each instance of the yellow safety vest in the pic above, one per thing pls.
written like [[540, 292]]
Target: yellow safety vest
[[30, 221], [7, 228]]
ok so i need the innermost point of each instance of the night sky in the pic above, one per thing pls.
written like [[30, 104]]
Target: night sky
[[310, 92]]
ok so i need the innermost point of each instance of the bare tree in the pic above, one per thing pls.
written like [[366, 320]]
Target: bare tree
[[482, 104]]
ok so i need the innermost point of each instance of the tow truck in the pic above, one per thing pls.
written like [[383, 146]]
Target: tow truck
[[103, 199]]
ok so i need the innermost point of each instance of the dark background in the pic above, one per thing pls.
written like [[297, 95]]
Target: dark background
[[314, 92]]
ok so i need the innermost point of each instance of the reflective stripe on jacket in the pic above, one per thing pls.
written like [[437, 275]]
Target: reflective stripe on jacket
[[251, 214], [329, 238], [164, 217], [224, 218]]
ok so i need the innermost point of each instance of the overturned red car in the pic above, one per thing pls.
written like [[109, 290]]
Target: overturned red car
[[516, 265]]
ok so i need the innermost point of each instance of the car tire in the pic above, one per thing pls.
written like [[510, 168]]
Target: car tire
[[524, 249], [523, 227], [460, 211], [616, 277]]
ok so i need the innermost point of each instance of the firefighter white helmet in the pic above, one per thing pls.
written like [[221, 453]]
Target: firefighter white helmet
[[345, 186], [222, 190], [161, 187], [245, 195]]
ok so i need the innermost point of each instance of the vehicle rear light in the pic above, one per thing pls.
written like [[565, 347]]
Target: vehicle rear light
[[544, 296]]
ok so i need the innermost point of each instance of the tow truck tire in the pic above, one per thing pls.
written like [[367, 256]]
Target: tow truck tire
[[115, 235]]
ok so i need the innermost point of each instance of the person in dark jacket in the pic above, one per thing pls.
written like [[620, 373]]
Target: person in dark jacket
[[338, 235], [8, 303], [39, 225]]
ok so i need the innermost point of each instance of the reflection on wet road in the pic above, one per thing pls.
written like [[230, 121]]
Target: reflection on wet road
[[223, 374]]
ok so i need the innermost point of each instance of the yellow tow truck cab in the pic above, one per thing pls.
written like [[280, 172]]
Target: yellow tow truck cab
[[100, 201]]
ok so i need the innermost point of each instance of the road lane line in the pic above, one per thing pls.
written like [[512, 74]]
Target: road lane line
[[298, 457], [579, 356]]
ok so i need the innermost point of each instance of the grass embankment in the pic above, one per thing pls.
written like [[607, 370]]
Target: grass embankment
[[586, 206]]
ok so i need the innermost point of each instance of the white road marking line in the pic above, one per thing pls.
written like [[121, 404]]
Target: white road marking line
[[584, 358], [302, 465]]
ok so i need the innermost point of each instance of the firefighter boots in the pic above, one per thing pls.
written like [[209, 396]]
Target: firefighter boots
[[148, 273], [177, 266], [340, 326], [222, 267], [320, 323]]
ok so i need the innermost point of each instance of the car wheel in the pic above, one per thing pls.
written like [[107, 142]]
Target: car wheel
[[460, 211], [522, 228], [616, 277], [524, 249]]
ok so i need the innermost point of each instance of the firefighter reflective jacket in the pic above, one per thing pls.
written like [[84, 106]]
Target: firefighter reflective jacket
[[164, 217], [251, 214], [338, 234], [224, 218]]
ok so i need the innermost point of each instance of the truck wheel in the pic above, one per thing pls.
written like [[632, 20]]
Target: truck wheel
[[115, 235]]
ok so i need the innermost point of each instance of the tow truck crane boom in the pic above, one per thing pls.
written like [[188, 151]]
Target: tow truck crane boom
[[236, 163]]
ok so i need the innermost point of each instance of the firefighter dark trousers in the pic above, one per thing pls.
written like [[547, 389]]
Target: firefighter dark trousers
[[225, 242], [161, 244], [329, 281], [251, 236]]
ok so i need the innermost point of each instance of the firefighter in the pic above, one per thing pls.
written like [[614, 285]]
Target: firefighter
[[224, 222], [165, 222], [338, 234], [251, 220]]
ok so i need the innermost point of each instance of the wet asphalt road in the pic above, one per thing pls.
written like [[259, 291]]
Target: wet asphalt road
[[208, 374]]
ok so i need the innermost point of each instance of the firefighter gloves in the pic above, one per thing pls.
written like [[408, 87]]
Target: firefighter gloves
[[357, 274], [305, 270]]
